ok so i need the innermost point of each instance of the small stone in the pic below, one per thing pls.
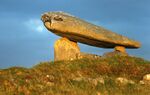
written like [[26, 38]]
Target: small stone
[[26, 80], [142, 82], [123, 81], [71, 59], [93, 81], [47, 76], [50, 83], [98, 93], [146, 80], [50, 77], [100, 80], [146, 77], [131, 82]]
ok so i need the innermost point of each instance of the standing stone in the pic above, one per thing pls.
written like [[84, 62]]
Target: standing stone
[[120, 49], [64, 49]]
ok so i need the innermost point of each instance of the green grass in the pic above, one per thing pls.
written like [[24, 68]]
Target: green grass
[[77, 77]]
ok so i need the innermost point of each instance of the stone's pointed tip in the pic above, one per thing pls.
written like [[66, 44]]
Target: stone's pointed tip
[[137, 45], [132, 45]]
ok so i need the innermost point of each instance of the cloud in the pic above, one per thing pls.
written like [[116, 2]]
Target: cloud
[[34, 25]]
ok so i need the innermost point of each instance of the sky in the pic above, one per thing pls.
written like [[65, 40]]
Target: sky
[[24, 41]]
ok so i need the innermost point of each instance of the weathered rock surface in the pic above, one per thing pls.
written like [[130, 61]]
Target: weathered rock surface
[[120, 49], [123, 81], [79, 30], [64, 49], [146, 79]]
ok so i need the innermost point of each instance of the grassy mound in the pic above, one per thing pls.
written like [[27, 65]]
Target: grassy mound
[[77, 77]]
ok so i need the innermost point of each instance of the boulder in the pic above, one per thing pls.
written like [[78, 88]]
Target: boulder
[[75, 29], [64, 49], [146, 80], [146, 77]]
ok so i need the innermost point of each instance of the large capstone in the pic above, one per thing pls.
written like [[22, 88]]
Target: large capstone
[[78, 30], [64, 49]]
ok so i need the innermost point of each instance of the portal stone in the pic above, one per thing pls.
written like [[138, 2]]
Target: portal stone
[[64, 49], [120, 49]]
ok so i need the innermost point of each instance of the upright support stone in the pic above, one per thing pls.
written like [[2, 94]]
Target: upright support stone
[[64, 49], [120, 49]]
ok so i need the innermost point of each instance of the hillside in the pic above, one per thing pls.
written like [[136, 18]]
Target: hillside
[[103, 76]]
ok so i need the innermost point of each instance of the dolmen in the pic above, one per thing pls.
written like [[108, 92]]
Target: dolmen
[[73, 30]]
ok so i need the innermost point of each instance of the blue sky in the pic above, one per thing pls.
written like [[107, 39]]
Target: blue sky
[[24, 41]]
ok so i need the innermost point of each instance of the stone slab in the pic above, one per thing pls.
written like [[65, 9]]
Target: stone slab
[[78, 30]]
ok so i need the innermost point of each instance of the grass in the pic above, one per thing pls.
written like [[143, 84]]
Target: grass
[[77, 77]]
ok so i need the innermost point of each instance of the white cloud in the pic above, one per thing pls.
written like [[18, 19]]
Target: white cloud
[[40, 28], [35, 25]]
